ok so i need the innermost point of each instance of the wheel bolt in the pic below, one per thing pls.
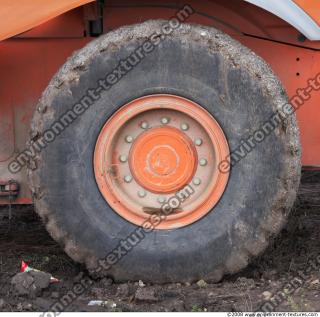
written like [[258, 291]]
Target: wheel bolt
[[129, 139], [161, 200], [203, 162], [128, 178], [198, 142], [196, 181], [184, 127], [142, 193], [144, 125], [123, 158], [164, 120]]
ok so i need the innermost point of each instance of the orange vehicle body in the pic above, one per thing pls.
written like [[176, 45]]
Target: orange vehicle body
[[38, 36]]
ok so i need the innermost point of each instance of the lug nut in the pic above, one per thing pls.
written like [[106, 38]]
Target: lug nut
[[129, 139], [184, 127], [164, 120], [198, 142], [128, 178], [123, 158], [203, 162], [144, 125], [142, 193], [161, 200], [196, 181]]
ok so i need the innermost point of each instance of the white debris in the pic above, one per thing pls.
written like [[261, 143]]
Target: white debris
[[102, 303], [141, 284]]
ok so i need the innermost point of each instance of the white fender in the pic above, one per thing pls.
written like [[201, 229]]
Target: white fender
[[293, 14]]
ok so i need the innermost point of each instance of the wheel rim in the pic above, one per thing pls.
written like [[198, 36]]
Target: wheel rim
[[159, 151]]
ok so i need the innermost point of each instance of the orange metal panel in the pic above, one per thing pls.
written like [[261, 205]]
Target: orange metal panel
[[6, 132], [23, 15], [26, 67], [311, 7], [68, 25], [295, 66]]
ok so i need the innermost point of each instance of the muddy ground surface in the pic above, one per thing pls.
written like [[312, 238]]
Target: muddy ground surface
[[288, 259]]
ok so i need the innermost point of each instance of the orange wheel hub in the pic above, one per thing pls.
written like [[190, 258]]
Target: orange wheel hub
[[163, 160], [161, 153]]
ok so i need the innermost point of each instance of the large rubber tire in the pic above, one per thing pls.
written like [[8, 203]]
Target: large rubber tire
[[231, 82]]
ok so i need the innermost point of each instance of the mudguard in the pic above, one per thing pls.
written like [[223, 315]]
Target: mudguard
[[20, 16], [304, 15]]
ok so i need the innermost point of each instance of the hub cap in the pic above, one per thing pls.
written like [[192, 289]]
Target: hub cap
[[163, 160], [150, 150]]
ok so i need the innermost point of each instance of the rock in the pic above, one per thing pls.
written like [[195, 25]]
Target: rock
[[19, 307], [43, 304], [41, 279], [2, 303], [176, 305], [267, 295], [24, 306], [55, 295], [123, 290], [245, 283], [146, 295], [141, 284], [27, 306], [106, 282], [315, 284], [202, 284], [111, 304], [30, 283], [24, 284], [97, 292]]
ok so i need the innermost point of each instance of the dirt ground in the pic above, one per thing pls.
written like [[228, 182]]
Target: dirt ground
[[263, 284]]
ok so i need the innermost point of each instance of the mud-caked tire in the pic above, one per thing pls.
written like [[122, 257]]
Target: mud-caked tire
[[230, 82]]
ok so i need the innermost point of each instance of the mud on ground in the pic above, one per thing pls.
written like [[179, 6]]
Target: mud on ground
[[287, 260]]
